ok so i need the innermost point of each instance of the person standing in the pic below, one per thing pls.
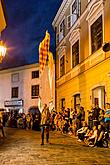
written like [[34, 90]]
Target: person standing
[[107, 117], [1, 126], [45, 122]]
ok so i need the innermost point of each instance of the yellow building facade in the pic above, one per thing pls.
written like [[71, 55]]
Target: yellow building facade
[[82, 67], [2, 17]]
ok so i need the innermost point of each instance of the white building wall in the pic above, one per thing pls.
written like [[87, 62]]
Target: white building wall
[[5, 91], [25, 82]]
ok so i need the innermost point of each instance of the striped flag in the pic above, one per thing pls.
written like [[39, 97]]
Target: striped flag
[[43, 51], [50, 69]]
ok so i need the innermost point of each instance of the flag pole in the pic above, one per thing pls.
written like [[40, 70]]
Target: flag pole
[[43, 54]]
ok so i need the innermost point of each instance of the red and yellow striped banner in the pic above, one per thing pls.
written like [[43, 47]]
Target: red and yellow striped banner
[[43, 51]]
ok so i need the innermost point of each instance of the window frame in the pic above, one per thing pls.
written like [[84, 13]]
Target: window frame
[[15, 77], [34, 96], [33, 76], [13, 93], [77, 104], [101, 98], [62, 103], [63, 31], [72, 54], [95, 11], [94, 26], [63, 56], [77, 9], [74, 37]]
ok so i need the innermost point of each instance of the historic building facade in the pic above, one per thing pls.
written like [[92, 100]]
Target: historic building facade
[[82, 67], [20, 88]]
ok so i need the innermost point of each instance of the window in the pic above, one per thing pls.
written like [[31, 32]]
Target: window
[[96, 34], [34, 91], [62, 103], [74, 13], [35, 74], [14, 92], [15, 77], [98, 96], [62, 66], [62, 30], [77, 101], [75, 54]]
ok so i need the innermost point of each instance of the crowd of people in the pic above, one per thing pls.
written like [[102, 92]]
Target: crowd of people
[[67, 121], [21, 120], [95, 133]]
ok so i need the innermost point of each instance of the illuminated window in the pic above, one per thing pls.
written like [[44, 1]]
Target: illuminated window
[[98, 96]]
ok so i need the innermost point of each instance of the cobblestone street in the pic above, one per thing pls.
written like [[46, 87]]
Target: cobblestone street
[[23, 147]]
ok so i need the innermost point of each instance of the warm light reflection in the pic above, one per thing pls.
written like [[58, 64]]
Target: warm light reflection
[[2, 51]]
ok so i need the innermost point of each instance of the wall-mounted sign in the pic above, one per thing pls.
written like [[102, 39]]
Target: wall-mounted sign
[[13, 103]]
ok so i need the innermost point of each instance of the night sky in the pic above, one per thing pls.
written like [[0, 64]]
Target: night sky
[[27, 22]]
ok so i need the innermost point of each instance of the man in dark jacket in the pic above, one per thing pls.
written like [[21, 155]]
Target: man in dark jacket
[[45, 123]]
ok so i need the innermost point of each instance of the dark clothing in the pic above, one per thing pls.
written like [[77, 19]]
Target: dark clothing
[[96, 111], [45, 128], [36, 123], [1, 127], [2, 131], [45, 124], [81, 136]]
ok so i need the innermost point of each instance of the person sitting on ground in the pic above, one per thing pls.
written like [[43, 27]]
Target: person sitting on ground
[[66, 126], [70, 129], [93, 138], [82, 131], [101, 131]]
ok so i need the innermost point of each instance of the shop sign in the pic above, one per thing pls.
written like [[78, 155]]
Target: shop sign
[[13, 103]]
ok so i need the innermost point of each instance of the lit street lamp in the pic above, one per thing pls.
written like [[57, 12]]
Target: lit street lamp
[[2, 51]]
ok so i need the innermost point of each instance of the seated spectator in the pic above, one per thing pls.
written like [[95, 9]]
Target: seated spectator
[[101, 131], [93, 138], [82, 115], [90, 118], [66, 126], [82, 131]]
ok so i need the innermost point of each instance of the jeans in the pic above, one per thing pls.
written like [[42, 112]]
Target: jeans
[[43, 129]]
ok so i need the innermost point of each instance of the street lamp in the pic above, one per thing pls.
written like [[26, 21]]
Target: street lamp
[[2, 51]]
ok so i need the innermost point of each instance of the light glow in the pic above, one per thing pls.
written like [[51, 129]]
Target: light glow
[[3, 50]]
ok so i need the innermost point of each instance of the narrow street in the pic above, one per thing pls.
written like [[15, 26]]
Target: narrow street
[[22, 147]]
